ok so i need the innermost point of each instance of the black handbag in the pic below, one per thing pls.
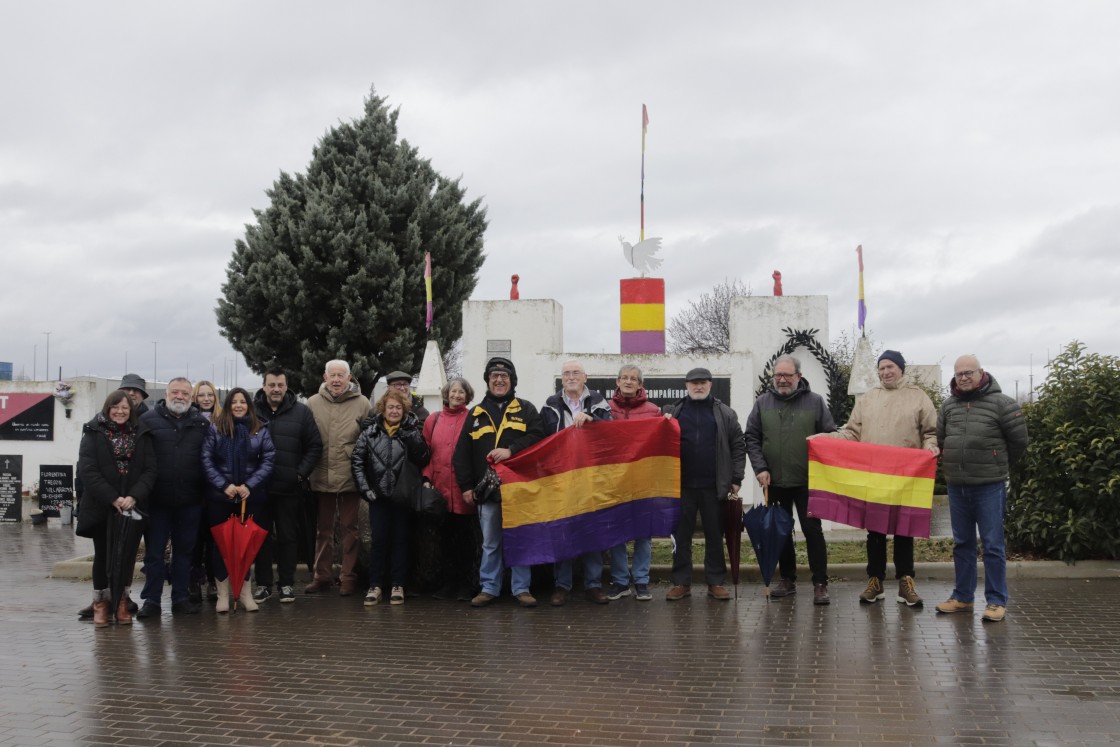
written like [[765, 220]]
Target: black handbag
[[430, 501], [407, 488], [489, 488]]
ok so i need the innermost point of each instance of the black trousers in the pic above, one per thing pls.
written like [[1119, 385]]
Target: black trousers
[[877, 556], [711, 509], [798, 497], [282, 545]]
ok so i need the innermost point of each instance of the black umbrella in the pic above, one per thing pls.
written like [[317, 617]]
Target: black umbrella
[[123, 539], [769, 527]]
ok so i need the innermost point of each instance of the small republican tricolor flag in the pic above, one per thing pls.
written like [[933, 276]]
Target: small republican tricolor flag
[[591, 488], [428, 290], [885, 489]]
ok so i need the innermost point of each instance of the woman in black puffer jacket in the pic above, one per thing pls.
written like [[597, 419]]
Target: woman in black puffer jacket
[[390, 445]]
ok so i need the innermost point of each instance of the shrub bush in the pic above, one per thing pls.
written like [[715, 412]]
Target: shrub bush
[[1065, 492]]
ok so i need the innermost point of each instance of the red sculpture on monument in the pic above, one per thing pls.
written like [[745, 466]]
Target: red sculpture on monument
[[513, 294], [777, 283]]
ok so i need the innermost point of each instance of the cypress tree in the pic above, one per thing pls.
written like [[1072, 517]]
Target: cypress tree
[[333, 267]]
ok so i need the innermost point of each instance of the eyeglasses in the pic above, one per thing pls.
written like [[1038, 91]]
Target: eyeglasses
[[964, 374], [498, 375], [785, 375], [630, 378]]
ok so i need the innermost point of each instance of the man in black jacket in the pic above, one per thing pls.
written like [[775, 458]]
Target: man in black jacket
[[713, 460], [298, 448], [175, 505], [574, 406], [501, 425]]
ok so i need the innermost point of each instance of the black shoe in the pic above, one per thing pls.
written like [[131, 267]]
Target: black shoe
[[185, 608], [262, 594], [149, 610], [132, 606], [85, 613], [445, 593]]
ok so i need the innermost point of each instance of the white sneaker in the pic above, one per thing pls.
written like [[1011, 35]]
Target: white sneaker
[[397, 595], [373, 596]]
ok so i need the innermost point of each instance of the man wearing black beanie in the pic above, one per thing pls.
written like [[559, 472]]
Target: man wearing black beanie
[[895, 413], [498, 427]]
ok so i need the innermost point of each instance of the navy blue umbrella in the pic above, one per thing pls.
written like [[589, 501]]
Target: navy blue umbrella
[[769, 528]]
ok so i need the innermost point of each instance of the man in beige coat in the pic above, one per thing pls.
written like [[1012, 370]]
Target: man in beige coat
[[895, 413], [339, 409]]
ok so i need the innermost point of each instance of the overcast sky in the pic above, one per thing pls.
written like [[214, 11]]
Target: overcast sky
[[973, 149]]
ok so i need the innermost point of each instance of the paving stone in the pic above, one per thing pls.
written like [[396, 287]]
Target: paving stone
[[328, 671]]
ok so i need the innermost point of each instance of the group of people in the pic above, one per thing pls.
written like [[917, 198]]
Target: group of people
[[188, 464]]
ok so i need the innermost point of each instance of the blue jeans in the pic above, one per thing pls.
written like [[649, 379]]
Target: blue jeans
[[643, 558], [592, 571], [492, 567], [973, 507], [180, 525]]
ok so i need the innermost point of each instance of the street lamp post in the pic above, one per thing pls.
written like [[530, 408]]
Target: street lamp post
[[47, 366]]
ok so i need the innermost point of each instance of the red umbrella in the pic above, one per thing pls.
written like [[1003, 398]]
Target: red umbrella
[[733, 535], [238, 540]]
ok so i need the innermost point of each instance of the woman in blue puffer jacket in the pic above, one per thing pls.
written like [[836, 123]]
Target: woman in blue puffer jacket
[[237, 458]]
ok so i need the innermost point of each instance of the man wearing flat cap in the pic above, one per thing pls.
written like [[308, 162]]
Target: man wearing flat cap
[[713, 460], [402, 382], [895, 413]]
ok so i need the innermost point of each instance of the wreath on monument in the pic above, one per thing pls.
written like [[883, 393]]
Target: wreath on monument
[[839, 403]]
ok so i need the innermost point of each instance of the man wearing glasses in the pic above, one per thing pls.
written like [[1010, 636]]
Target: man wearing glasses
[[498, 427], [981, 432], [575, 405], [782, 419]]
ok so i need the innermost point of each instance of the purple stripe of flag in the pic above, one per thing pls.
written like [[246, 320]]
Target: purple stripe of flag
[[550, 541], [876, 517]]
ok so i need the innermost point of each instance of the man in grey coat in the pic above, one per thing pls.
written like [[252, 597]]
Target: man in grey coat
[[981, 432]]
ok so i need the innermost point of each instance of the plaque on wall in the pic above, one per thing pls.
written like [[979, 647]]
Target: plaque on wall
[[26, 417], [661, 390], [56, 487], [11, 488]]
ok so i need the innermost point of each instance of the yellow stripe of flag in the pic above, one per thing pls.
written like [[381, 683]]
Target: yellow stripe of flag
[[872, 487], [591, 489]]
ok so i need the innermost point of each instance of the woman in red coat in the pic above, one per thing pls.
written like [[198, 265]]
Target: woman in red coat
[[629, 403], [461, 537]]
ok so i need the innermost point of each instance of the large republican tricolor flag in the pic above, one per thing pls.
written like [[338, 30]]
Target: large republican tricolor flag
[[591, 488], [886, 489]]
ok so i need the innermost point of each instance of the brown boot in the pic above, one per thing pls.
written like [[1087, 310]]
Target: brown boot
[[124, 617], [101, 608]]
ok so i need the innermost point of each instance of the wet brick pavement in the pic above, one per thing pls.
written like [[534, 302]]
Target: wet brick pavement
[[328, 671]]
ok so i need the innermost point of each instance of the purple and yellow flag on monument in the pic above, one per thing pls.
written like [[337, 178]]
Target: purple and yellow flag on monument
[[885, 489], [591, 488]]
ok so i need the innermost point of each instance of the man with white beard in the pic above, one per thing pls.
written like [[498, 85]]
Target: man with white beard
[[175, 506]]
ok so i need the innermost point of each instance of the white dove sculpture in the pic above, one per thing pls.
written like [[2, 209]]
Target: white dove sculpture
[[643, 255]]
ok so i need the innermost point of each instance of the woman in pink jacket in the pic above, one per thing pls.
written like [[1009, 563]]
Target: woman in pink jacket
[[461, 538]]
